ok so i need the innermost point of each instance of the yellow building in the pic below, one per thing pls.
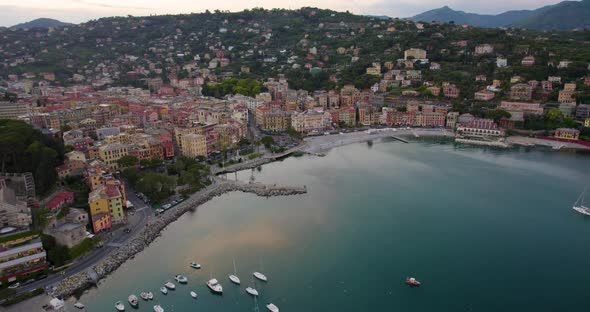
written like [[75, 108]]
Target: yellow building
[[99, 210], [415, 53], [194, 145], [567, 133], [587, 123], [110, 153], [179, 133]]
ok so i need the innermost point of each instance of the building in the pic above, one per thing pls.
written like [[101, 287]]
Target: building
[[501, 62], [567, 133], [106, 207], [60, 200], [452, 118], [111, 153], [528, 61], [13, 211], [194, 145], [70, 230], [450, 90], [480, 128], [521, 91], [22, 258], [482, 49], [311, 121], [12, 110], [583, 111], [525, 107], [415, 54], [484, 95], [566, 96]]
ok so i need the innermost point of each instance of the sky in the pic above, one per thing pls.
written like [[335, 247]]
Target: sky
[[76, 11]]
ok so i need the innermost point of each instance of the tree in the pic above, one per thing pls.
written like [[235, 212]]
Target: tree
[[267, 141], [497, 114], [127, 161]]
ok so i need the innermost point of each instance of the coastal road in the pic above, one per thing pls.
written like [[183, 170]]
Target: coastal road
[[136, 223]]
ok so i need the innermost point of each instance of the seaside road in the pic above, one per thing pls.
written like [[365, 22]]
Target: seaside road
[[136, 223]]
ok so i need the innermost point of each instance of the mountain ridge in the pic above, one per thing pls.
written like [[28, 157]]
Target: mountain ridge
[[42, 22]]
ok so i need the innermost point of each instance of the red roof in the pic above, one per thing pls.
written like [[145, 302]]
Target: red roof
[[112, 191]]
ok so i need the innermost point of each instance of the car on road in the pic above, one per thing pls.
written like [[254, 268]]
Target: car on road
[[127, 230], [15, 285], [166, 206]]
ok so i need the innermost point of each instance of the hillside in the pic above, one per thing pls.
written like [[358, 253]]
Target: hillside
[[446, 14], [40, 23], [567, 15]]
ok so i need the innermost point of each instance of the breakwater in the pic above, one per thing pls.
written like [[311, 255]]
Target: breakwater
[[72, 284]]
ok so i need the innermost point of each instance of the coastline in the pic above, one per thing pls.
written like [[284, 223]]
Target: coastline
[[82, 280], [312, 145]]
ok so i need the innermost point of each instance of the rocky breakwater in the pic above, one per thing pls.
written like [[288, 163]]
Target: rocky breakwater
[[72, 284]]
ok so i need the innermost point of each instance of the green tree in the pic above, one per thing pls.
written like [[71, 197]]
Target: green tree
[[127, 161], [268, 141]]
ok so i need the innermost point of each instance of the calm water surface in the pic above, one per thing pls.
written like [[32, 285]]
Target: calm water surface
[[484, 230]]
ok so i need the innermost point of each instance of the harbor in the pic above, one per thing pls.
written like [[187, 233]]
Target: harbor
[[309, 244]]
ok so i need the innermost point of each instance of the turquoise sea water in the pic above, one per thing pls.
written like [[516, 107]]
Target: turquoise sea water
[[483, 229]]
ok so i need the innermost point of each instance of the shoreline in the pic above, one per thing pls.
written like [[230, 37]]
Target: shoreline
[[80, 281]]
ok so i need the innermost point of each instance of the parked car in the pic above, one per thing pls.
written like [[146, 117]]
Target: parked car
[[127, 230], [15, 285]]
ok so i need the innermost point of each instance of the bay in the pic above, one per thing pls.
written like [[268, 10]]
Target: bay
[[483, 229]]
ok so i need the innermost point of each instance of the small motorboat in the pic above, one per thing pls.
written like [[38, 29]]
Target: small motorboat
[[150, 295], [214, 285], [252, 291], [195, 265], [181, 279], [119, 306], [164, 290], [170, 285], [144, 296], [413, 282], [79, 305], [158, 308], [133, 301], [194, 294], [234, 279], [260, 276], [272, 308]]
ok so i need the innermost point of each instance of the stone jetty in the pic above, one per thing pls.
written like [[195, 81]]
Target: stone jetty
[[70, 285]]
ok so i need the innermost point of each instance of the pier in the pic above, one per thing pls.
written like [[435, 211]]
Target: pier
[[399, 139]]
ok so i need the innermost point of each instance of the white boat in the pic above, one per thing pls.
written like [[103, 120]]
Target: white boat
[[144, 296], [234, 279], [181, 279], [151, 295], [579, 205], [195, 265], [119, 306], [170, 285], [194, 294], [260, 276], [272, 308], [158, 308], [164, 290], [79, 305], [252, 291], [133, 301], [214, 285]]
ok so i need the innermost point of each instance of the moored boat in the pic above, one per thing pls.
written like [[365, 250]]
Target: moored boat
[[79, 305], [158, 308], [234, 279], [133, 301], [579, 205], [144, 296], [195, 265], [252, 291], [194, 294], [150, 295], [170, 285], [164, 290], [413, 282], [260, 276], [119, 306], [214, 285], [272, 308], [181, 279]]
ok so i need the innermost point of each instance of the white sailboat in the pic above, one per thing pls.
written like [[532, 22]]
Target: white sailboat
[[233, 277], [579, 205]]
